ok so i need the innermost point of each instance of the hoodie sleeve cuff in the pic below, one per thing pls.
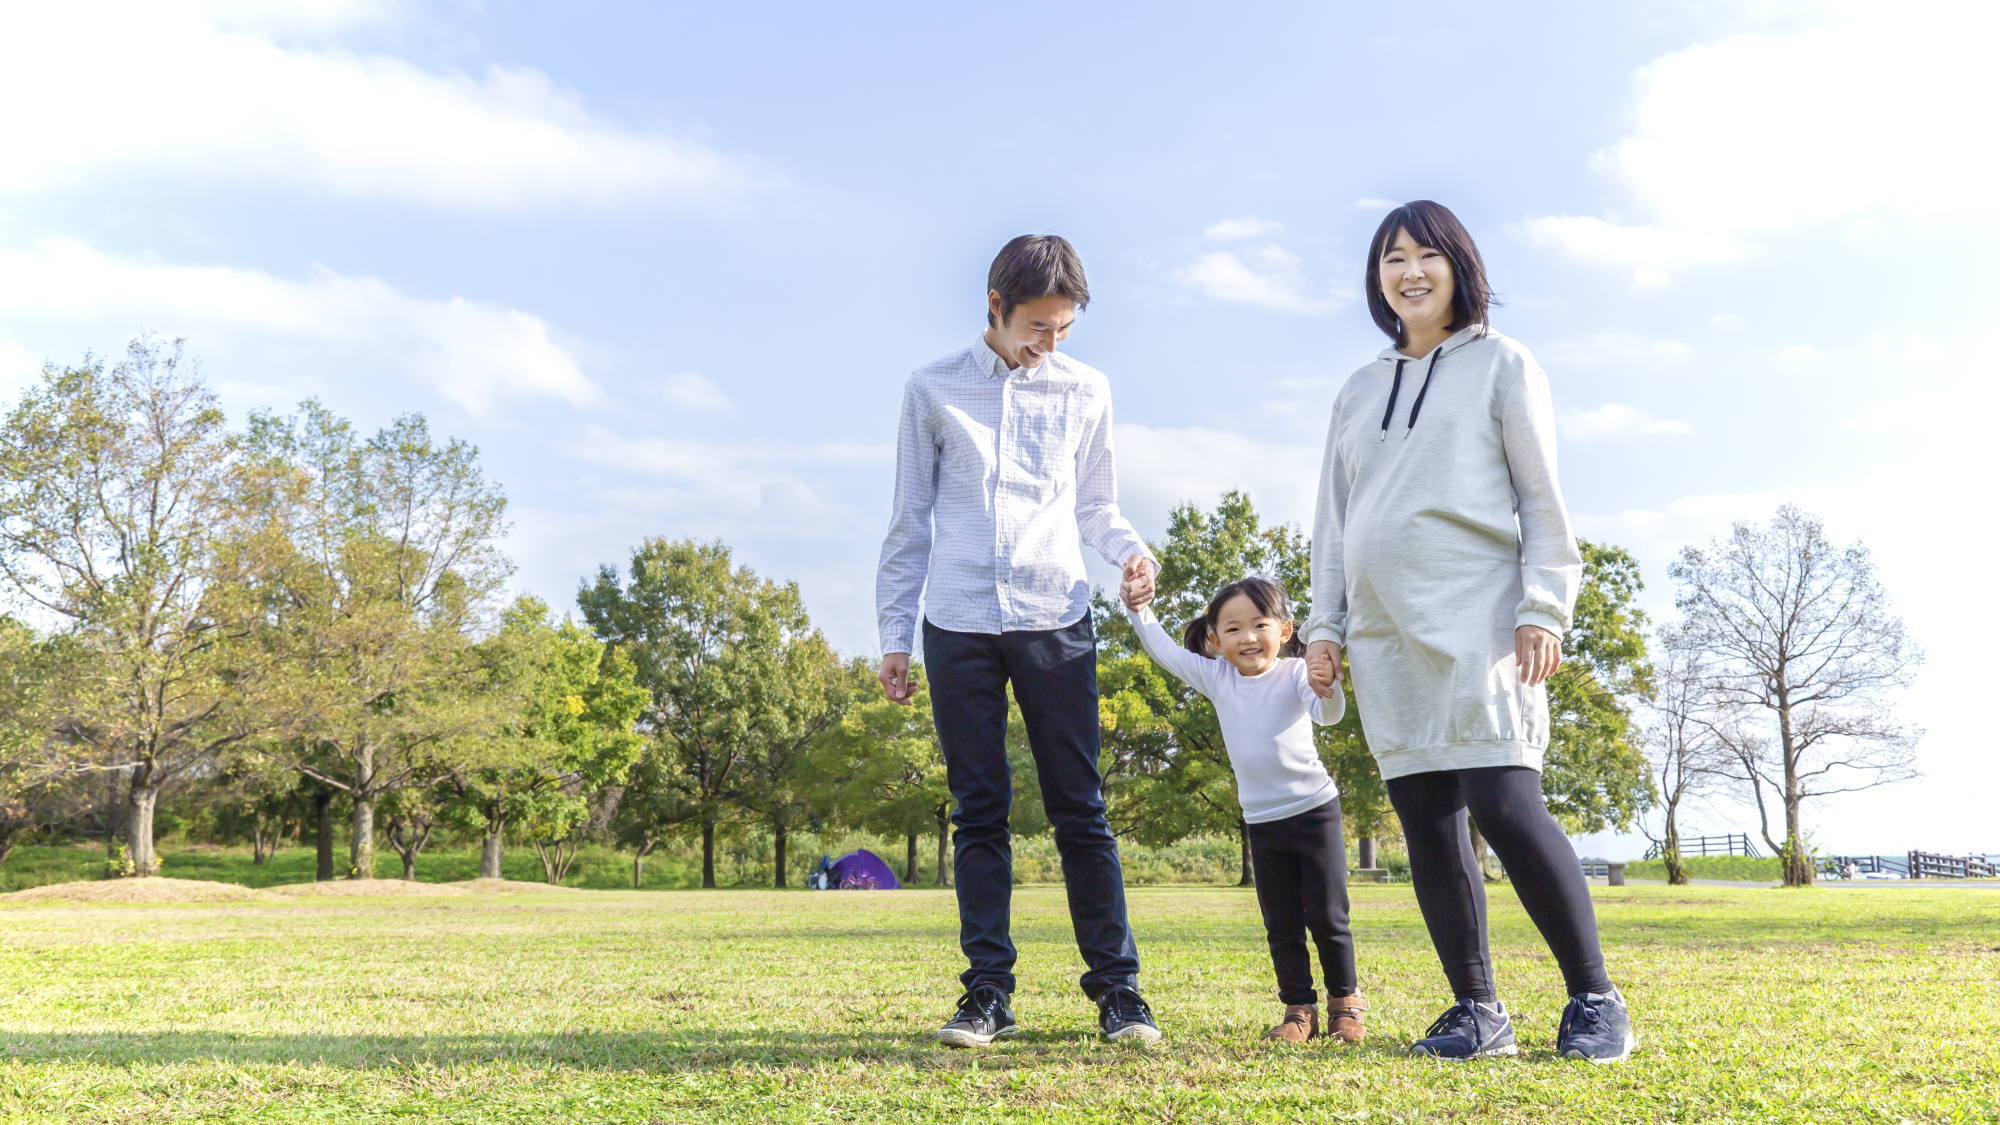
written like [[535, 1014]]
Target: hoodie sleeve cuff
[[1541, 620]]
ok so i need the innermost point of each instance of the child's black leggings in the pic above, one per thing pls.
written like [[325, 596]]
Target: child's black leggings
[[1506, 803], [1301, 870]]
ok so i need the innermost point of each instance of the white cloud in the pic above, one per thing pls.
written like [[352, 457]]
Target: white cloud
[[1617, 418], [691, 391], [1726, 322], [1269, 278], [1755, 134], [1236, 230], [748, 472], [1160, 467], [1652, 254], [18, 368], [476, 354], [1798, 353], [1614, 348], [264, 92]]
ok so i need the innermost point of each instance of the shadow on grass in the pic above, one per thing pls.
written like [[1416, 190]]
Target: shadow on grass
[[694, 1050]]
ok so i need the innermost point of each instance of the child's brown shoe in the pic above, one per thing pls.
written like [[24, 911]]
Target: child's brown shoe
[[1345, 1017], [1300, 1024]]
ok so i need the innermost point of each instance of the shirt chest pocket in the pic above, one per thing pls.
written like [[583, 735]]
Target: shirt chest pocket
[[1039, 437]]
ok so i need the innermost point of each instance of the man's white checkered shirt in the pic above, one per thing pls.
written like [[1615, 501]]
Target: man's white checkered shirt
[[1001, 476]]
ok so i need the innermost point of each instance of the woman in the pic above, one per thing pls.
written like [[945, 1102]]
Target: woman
[[1443, 562]]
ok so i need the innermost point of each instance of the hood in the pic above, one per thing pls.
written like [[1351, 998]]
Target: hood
[[1451, 343]]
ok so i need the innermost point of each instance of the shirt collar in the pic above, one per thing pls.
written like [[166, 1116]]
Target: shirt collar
[[990, 363]]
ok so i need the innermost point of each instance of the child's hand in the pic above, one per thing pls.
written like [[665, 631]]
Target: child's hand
[[1323, 668], [1137, 588], [1136, 598]]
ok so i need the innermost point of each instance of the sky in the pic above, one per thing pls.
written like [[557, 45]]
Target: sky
[[668, 265]]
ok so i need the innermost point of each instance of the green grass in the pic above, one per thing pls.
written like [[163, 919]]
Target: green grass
[[1828, 1005], [1742, 867]]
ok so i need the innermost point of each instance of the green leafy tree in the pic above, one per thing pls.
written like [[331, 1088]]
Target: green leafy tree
[[114, 490], [709, 643], [573, 733], [784, 772], [1595, 775], [888, 772], [385, 559]]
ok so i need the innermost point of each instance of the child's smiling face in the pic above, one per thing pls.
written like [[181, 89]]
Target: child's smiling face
[[1250, 639]]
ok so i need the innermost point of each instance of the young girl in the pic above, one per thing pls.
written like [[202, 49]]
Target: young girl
[[1267, 709], [1442, 559]]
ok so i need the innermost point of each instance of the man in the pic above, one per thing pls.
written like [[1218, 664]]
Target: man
[[1003, 470]]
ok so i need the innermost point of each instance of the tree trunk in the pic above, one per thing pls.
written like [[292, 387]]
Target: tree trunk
[[1670, 848], [778, 855], [490, 847], [1248, 878], [410, 866], [639, 862], [944, 837], [1365, 845], [910, 864], [139, 828], [707, 854], [6, 848], [1798, 862], [114, 812], [361, 849], [263, 835], [323, 820]]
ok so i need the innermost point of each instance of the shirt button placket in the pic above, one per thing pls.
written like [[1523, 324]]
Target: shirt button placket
[[999, 499]]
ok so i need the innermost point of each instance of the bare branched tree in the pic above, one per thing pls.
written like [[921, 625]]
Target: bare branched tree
[[1797, 629], [1687, 755]]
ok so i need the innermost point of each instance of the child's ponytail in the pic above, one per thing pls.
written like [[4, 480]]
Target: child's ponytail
[[1194, 638]]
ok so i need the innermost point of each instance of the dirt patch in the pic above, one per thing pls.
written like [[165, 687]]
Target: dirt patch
[[505, 886], [156, 889], [356, 888]]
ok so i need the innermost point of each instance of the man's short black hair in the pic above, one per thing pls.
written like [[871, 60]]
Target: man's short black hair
[[1034, 266], [1433, 225]]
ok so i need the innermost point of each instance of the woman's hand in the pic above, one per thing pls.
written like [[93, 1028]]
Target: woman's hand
[[1323, 668], [1538, 652]]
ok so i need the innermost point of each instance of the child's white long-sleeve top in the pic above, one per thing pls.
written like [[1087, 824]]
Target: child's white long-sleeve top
[[1266, 724]]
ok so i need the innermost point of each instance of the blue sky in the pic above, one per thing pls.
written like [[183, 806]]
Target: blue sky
[[667, 265]]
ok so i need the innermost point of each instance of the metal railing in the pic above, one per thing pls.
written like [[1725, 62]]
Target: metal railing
[[1734, 843]]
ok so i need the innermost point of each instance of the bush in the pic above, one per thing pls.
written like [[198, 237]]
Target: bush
[[1768, 868]]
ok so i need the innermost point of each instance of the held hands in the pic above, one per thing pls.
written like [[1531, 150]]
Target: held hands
[[895, 678], [1538, 652], [1323, 668], [1136, 591]]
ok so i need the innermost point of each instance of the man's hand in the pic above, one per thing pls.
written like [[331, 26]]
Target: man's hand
[[1137, 588], [1538, 652], [895, 677], [1323, 668]]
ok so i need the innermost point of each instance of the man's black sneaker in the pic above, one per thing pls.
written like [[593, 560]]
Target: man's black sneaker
[[1123, 1015], [1469, 1029], [982, 1017], [1597, 1028]]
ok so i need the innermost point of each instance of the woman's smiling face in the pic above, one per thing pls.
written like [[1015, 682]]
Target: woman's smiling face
[[1417, 283]]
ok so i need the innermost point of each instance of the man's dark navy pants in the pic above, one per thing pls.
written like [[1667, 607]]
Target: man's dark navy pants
[[1054, 677]]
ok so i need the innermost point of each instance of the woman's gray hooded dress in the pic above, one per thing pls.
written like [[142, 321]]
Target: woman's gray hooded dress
[[1440, 529]]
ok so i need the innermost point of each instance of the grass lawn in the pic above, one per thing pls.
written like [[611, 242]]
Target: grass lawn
[[1829, 1005]]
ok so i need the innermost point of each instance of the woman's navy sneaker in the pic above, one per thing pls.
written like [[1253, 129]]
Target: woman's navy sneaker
[[1469, 1029], [1124, 1015], [1597, 1028], [982, 1017]]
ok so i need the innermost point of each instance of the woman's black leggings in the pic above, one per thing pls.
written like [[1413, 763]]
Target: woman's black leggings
[[1506, 803], [1301, 869]]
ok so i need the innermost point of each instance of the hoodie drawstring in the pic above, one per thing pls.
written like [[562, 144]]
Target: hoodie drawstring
[[1421, 391], [1396, 388]]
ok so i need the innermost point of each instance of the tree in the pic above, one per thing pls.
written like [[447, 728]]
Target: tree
[[387, 560], [1688, 755], [1595, 775], [410, 813], [783, 772], [114, 488], [571, 734], [890, 772], [708, 641], [1800, 632]]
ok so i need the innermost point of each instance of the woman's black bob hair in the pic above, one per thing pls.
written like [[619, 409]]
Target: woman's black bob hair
[[1433, 225], [1266, 595]]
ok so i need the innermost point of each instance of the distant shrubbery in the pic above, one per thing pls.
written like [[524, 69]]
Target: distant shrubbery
[[1714, 867]]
